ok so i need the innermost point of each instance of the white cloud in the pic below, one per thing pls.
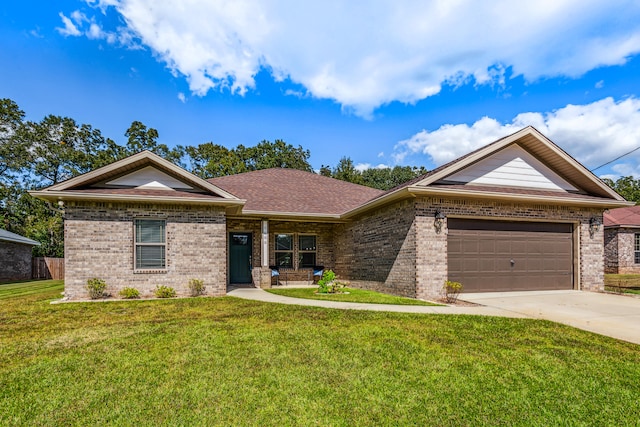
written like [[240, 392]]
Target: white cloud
[[599, 84], [361, 167], [181, 97], [364, 55], [592, 133], [69, 28]]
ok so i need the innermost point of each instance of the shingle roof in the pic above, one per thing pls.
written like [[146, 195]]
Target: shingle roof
[[294, 191], [623, 217], [8, 236]]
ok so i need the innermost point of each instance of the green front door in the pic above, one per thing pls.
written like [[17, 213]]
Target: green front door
[[239, 257]]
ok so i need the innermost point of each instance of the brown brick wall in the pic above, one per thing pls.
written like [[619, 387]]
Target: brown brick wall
[[15, 261], [378, 251], [611, 251], [620, 251], [99, 243]]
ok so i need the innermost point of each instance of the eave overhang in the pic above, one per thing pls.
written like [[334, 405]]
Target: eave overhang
[[55, 196]]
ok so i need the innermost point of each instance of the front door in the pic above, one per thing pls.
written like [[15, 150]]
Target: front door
[[239, 257]]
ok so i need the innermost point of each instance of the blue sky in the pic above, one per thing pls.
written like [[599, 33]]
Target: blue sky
[[383, 82]]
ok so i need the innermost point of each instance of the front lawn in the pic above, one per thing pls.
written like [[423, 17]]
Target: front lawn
[[353, 295], [227, 361], [625, 283]]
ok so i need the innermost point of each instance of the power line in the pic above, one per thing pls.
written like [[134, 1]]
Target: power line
[[617, 158]]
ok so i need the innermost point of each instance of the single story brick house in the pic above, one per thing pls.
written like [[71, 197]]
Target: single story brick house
[[622, 240], [15, 256], [517, 214]]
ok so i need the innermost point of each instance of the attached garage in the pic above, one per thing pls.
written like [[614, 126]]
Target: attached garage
[[488, 256]]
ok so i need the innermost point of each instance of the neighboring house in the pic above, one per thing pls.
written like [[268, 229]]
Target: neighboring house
[[622, 240], [15, 256], [517, 214]]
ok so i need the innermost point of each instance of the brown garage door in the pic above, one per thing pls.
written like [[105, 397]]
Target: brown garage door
[[490, 256]]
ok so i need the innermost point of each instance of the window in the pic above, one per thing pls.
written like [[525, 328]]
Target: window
[[306, 251], [150, 244], [284, 250], [636, 248]]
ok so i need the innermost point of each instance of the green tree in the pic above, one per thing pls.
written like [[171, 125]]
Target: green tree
[[387, 178], [60, 149], [140, 138], [211, 160], [346, 171], [627, 187], [277, 154], [13, 154]]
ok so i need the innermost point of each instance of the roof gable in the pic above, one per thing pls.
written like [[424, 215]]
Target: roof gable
[[511, 167], [143, 177], [541, 148], [149, 178]]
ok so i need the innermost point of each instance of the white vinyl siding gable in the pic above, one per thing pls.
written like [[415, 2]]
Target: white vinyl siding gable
[[512, 167], [150, 178]]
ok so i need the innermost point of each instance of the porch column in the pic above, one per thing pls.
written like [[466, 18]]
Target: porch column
[[265, 271], [265, 243]]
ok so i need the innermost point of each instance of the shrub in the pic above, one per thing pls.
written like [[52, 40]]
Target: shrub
[[165, 292], [196, 287], [328, 283], [96, 288], [129, 293], [451, 291]]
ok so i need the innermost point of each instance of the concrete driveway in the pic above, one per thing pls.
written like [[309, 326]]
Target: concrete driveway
[[616, 316]]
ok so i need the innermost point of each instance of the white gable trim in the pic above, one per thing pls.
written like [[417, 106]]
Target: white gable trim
[[512, 167], [150, 178]]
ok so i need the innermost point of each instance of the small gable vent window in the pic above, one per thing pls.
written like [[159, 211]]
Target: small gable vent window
[[636, 248], [150, 244]]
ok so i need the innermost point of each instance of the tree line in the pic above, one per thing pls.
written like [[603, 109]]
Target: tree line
[[37, 154]]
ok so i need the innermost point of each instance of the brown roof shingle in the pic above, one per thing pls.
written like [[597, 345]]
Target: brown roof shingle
[[294, 191], [623, 216]]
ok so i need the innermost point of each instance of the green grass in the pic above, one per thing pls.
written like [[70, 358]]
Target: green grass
[[24, 288], [227, 361], [354, 295], [625, 283]]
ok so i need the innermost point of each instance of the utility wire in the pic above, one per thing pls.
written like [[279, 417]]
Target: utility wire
[[617, 158]]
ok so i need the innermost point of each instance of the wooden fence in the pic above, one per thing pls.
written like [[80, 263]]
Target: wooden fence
[[47, 268]]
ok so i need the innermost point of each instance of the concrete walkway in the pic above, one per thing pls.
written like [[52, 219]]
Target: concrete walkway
[[616, 316], [260, 295]]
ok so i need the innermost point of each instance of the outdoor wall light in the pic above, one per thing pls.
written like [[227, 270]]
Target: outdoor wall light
[[594, 225], [439, 221]]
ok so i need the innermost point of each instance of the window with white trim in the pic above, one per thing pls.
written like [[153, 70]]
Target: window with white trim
[[284, 250], [150, 244], [636, 248], [306, 251]]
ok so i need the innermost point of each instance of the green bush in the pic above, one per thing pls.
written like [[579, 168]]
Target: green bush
[[129, 293], [328, 283], [96, 288], [165, 292], [451, 291], [196, 287]]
